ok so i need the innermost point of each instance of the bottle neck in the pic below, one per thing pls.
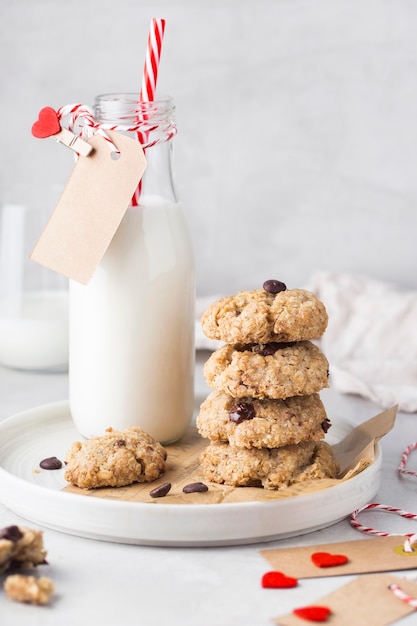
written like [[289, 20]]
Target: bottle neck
[[158, 178], [153, 124]]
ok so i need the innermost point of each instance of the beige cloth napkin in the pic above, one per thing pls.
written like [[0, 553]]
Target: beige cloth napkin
[[371, 339]]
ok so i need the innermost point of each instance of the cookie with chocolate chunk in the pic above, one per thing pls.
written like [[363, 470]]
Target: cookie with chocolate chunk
[[20, 547], [251, 423], [264, 315], [273, 370], [274, 468], [115, 459]]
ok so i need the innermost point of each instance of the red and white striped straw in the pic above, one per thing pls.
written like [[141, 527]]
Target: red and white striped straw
[[152, 58], [150, 77]]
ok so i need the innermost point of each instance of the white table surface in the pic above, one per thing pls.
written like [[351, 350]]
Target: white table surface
[[108, 583]]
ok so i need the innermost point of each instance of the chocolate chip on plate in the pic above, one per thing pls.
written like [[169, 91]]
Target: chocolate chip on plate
[[160, 491], [195, 488], [242, 411], [51, 463], [274, 286], [12, 533]]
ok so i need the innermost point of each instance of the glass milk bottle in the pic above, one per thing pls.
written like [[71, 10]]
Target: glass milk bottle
[[131, 357]]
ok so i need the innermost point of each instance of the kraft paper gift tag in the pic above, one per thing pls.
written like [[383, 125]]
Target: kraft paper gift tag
[[366, 600], [91, 207], [373, 554]]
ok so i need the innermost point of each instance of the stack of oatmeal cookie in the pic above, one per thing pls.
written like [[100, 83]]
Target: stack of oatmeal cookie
[[265, 419]]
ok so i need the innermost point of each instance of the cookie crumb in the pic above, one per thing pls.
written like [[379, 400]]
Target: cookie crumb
[[29, 589]]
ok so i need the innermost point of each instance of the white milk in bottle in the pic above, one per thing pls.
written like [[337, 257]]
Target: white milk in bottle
[[131, 360]]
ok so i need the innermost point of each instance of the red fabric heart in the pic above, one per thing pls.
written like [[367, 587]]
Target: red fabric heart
[[313, 613], [325, 559], [47, 123], [278, 580]]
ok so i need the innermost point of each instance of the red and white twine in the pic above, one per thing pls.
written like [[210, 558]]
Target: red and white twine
[[399, 593], [81, 117], [404, 458], [411, 538]]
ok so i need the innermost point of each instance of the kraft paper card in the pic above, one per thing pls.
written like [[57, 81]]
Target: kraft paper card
[[91, 208], [374, 554], [184, 468], [365, 600]]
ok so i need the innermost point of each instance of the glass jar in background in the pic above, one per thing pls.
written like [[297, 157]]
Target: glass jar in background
[[33, 299], [132, 327]]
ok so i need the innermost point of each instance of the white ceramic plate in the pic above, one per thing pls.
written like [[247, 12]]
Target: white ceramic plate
[[47, 431]]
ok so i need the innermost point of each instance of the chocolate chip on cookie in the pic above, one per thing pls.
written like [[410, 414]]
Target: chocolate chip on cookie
[[241, 411], [274, 286]]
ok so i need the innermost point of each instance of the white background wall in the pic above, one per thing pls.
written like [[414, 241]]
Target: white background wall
[[297, 144]]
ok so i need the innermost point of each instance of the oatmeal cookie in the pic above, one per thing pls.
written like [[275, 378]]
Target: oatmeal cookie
[[29, 589], [272, 370], [274, 468], [115, 459], [260, 316], [20, 547], [251, 423]]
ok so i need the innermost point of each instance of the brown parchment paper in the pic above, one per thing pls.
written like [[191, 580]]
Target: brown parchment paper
[[354, 453]]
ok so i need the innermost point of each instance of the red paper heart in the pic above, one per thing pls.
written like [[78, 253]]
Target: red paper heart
[[278, 580], [47, 123], [325, 559], [313, 613]]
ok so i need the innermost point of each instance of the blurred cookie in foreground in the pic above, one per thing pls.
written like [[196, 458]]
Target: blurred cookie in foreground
[[20, 547]]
